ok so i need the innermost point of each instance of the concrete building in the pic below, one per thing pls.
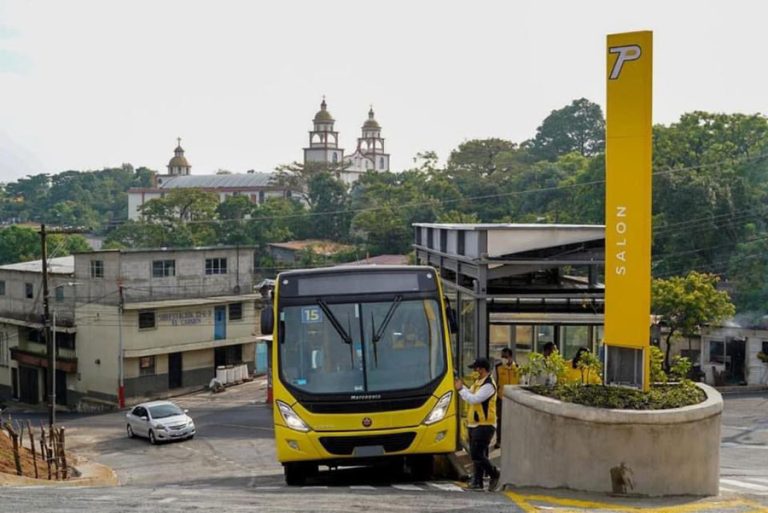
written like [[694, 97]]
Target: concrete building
[[166, 318], [257, 187], [729, 355], [324, 147]]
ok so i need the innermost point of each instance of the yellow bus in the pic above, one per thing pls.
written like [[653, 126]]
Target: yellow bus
[[362, 369]]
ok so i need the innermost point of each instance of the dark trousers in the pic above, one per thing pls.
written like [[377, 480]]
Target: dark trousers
[[479, 440]]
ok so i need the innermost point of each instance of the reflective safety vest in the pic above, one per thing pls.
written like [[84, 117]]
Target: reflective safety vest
[[507, 375], [482, 414]]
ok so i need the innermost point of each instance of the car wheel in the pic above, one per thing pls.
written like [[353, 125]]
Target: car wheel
[[129, 429], [152, 438]]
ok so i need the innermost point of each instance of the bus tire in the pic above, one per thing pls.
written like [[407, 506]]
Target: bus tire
[[422, 466], [295, 473]]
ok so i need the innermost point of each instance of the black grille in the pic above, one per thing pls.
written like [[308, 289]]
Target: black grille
[[346, 444], [406, 403]]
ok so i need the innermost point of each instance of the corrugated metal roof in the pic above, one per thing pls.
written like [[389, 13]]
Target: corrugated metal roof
[[59, 265], [218, 181]]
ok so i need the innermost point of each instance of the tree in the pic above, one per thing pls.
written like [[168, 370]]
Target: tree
[[329, 200], [576, 127], [686, 303]]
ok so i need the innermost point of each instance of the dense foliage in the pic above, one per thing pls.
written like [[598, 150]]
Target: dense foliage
[[710, 197], [659, 397]]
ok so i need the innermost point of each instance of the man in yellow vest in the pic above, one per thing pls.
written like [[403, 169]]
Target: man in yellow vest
[[506, 374], [481, 421]]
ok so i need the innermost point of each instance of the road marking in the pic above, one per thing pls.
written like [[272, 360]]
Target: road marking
[[744, 484], [362, 487], [731, 445], [408, 487], [447, 487], [166, 500], [526, 503], [243, 426], [314, 487]]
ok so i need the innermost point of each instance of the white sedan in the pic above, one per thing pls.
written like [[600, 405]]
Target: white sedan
[[159, 421]]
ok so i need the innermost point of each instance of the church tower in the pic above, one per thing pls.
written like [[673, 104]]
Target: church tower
[[178, 165], [371, 144], [323, 140]]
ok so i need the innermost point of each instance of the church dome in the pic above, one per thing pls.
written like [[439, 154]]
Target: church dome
[[323, 116], [178, 160], [371, 123]]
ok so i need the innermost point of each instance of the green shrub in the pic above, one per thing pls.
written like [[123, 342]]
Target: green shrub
[[657, 366], [660, 397], [681, 367]]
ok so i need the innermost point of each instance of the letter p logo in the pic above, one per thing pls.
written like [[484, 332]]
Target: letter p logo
[[626, 54]]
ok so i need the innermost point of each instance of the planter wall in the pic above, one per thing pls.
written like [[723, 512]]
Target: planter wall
[[551, 444]]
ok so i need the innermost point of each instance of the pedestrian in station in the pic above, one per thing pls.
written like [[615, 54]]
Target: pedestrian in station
[[481, 421], [507, 373]]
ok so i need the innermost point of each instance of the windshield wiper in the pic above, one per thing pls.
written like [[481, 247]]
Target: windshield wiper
[[334, 322], [376, 334], [380, 332]]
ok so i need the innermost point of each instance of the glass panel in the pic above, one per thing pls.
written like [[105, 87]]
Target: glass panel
[[523, 343], [573, 338], [467, 339], [500, 337], [716, 351], [544, 334], [409, 353]]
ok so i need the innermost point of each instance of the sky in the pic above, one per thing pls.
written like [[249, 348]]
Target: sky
[[92, 84]]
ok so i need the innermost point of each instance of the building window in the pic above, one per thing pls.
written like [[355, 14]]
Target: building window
[[147, 366], [262, 197], [59, 293], [335, 157], [215, 266], [97, 268], [381, 162], [716, 351], [163, 268], [147, 319], [765, 347], [236, 312], [29, 291], [2, 288]]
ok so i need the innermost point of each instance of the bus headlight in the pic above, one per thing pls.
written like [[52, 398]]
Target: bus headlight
[[292, 420], [441, 408]]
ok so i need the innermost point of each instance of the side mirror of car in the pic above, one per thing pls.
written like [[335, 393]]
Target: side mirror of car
[[145, 418], [267, 321], [186, 411]]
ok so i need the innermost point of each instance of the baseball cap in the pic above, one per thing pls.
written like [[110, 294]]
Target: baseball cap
[[480, 362]]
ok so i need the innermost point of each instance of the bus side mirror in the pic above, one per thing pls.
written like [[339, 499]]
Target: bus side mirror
[[267, 321], [450, 313]]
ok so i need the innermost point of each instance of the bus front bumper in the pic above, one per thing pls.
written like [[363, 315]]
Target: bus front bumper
[[292, 445]]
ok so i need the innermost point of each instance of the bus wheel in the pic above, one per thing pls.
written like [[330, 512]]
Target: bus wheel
[[422, 466], [296, 473]]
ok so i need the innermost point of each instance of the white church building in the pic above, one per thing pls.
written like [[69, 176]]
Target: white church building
[[324, 147]]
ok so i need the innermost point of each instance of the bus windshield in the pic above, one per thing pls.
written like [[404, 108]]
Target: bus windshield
[[361, 347]]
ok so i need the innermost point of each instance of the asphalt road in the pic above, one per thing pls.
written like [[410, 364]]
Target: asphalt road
[[230, 466]]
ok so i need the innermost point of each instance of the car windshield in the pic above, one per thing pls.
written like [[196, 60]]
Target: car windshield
[[390, 345], [164, 410]]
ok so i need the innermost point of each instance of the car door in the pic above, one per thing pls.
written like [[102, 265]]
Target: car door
[[133, 419], [142, 426]]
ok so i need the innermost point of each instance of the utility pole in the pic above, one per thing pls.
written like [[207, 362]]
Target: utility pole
[[47, 338], [46, 331], [120, 363]]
